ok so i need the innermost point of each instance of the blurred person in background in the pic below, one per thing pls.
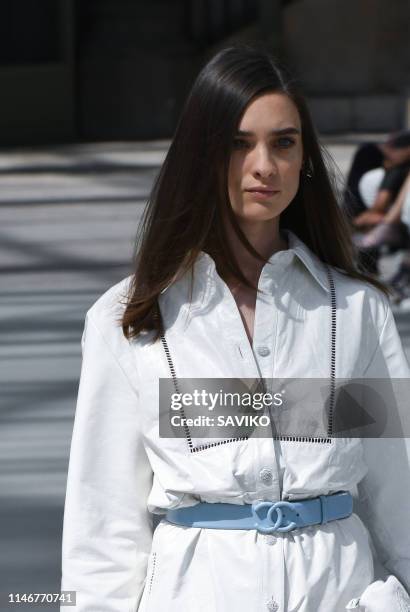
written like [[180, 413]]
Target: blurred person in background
[[376, 175], [393, 231], [374, 182]]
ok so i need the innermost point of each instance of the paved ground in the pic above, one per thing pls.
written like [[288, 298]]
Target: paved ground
[[67, 222]]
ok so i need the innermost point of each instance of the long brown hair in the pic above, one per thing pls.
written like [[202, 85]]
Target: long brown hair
[[184, 214]]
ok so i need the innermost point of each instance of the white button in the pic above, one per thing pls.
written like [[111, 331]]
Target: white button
[[266, 476], [263, 351], [272, 605]]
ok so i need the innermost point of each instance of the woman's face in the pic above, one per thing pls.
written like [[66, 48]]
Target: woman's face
[[267, 153]]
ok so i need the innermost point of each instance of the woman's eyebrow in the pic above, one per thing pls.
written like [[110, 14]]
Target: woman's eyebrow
[[281, 132]]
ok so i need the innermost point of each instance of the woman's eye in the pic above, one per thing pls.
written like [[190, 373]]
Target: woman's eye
[[285, 143], [282, 143], [239, 143]]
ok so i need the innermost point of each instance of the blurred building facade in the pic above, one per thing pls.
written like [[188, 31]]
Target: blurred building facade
[[120, 69]]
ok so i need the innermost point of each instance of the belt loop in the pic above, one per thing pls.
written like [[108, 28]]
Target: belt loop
[[323, 506]]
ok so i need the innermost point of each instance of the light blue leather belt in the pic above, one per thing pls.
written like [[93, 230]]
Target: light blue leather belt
[[265, 516]]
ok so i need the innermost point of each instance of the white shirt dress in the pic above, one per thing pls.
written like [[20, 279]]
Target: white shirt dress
[[121, 471]]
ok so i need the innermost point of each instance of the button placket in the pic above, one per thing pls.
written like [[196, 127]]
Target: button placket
[[264, 334]]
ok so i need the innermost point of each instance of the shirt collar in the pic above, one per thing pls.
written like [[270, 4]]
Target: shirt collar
[[295, 247], [311, 261]]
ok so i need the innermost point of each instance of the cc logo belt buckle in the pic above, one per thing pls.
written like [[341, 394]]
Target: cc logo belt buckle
[[273, 525]]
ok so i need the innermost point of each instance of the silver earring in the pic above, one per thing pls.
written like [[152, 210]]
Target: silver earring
[[308, 172]]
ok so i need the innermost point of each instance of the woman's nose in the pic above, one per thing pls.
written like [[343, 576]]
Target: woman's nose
[[264, 164]]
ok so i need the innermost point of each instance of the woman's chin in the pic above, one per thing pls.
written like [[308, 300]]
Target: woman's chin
[[264, 214]]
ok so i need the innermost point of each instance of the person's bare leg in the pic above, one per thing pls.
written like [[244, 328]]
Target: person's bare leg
[[394, 213], [389, 231]]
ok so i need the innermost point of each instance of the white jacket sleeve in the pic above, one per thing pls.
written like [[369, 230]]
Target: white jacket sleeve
[[107, 530], [384, 492]]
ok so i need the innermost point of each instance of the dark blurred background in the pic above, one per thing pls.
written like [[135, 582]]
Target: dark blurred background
[[120, 69]]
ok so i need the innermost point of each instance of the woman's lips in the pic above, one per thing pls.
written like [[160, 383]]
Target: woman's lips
[[262, 194]]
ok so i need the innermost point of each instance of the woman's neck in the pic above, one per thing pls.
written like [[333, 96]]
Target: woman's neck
[[266, 239]]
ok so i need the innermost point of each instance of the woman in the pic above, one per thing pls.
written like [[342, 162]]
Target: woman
[[244, 271]]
